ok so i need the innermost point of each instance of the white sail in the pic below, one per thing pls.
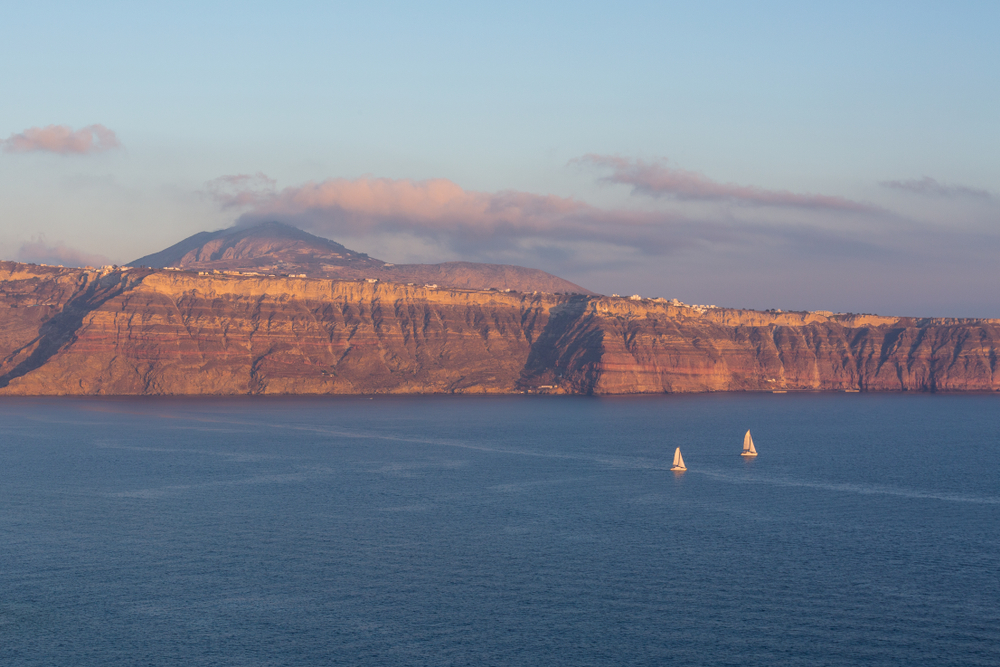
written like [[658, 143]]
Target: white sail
[[748, 448], [679, 460]]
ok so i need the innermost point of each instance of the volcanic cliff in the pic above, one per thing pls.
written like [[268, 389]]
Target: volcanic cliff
[[147, 331]]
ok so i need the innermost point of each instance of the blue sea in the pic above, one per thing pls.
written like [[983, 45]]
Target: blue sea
[[501, 531]]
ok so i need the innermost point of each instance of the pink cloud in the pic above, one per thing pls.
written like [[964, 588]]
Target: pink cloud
[[481, 224], [655, 179], [40, 252], [439, 209], [436, 204], [62, 139]]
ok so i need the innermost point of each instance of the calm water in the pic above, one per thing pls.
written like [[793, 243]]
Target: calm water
[[500, 531]]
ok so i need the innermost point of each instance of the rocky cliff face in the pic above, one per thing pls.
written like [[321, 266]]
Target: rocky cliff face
[[650, 347], [144, 331]]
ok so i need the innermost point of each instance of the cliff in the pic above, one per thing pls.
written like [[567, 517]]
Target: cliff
[[146, 331]]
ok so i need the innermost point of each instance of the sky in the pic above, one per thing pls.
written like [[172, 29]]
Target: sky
[[805, 156]]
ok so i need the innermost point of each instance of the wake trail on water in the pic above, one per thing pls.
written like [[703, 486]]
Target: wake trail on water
[[611, 461], [646, 464], [861, 489], [177, 489]]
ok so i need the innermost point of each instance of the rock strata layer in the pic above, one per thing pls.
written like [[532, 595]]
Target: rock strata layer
[[146, 331]]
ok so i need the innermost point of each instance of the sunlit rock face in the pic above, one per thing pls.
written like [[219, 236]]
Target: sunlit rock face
[[652, 348], [146, 331]]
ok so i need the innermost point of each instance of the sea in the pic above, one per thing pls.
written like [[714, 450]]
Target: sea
[[528, 530]]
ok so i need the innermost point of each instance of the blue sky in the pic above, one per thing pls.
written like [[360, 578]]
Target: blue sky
[[833, 156]]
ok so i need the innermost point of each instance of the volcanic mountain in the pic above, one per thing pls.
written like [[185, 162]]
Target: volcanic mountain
[[280, 249]]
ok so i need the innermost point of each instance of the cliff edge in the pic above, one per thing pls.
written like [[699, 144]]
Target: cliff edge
[[149, 331]]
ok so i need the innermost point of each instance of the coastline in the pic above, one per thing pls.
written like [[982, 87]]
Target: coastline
[[138, 331]]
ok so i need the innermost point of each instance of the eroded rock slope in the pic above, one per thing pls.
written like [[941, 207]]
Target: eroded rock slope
[[145, 331]]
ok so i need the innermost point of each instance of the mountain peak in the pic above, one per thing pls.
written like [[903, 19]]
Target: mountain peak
[[277, 248]]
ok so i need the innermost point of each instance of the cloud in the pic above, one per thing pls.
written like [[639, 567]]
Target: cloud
[[655, 179], [929, 186], [439, 209], [41, 252], [434, 205], [797, 256], [241, 190], [62, 139], [485, 224]]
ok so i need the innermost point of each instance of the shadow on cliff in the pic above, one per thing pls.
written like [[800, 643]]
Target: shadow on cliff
[[61, 330], [567, 353]]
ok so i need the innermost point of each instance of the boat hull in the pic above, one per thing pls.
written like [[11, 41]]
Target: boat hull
[[748, 454], [676, 469]]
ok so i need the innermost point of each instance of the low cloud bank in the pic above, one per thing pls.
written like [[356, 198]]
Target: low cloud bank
[[62, 140], [437, 208], [484, 224], [655, 179], [695, 239], [41, 252], [931, 187]]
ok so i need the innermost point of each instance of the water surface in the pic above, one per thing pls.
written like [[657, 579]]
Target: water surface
[[501, 531]]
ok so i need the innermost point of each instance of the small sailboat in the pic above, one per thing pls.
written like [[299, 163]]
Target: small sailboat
[[748, 448], [678, 462]]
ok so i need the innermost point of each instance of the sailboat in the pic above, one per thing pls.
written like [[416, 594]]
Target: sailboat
[[678, 462], [748, 448]]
